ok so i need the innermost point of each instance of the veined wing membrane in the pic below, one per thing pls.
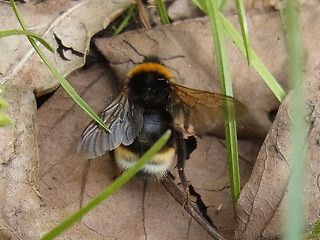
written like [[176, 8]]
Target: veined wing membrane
[[124, 121], [201, 110]]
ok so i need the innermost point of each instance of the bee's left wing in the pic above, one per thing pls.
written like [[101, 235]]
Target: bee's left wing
[[125, 122], [199, 111]]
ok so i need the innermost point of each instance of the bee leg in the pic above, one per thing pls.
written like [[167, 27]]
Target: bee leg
[[119, 172], [182, 153]]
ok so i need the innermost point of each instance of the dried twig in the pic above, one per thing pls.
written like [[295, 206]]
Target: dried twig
[[190, 207], [143, 14]]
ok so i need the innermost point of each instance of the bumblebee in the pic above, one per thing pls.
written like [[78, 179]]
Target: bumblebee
[[149, 104]]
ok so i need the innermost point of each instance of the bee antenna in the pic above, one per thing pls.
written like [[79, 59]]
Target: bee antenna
[[152, 57], [173, 57]]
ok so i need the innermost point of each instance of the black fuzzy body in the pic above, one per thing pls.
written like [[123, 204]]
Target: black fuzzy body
[[150, 91]]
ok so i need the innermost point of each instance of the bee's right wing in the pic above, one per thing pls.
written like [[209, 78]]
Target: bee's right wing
[[200, 110], [125, 122]]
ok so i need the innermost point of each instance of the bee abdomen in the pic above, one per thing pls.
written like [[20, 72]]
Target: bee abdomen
[[154, 125], [157, 166]]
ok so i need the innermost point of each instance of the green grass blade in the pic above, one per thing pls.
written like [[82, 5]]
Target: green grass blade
[[162, 12], [222, 5], [73, 94], [313, 236], [226, 88], [3, 104], [125, 21], [315, 232], [7, 33], [244, 28], [119, 182], [233, 159], [202, 5], [256, 63], [316, 228], [294, 224], [4, 120]]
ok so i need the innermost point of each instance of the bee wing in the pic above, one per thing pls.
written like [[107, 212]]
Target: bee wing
[[200, 110], [124, 121]]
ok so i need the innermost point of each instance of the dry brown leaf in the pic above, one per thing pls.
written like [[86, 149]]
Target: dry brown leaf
[[195, 68], [19, 161], [279, 4], [183, 9], [20, 200], [260, 207], [72, 22]]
